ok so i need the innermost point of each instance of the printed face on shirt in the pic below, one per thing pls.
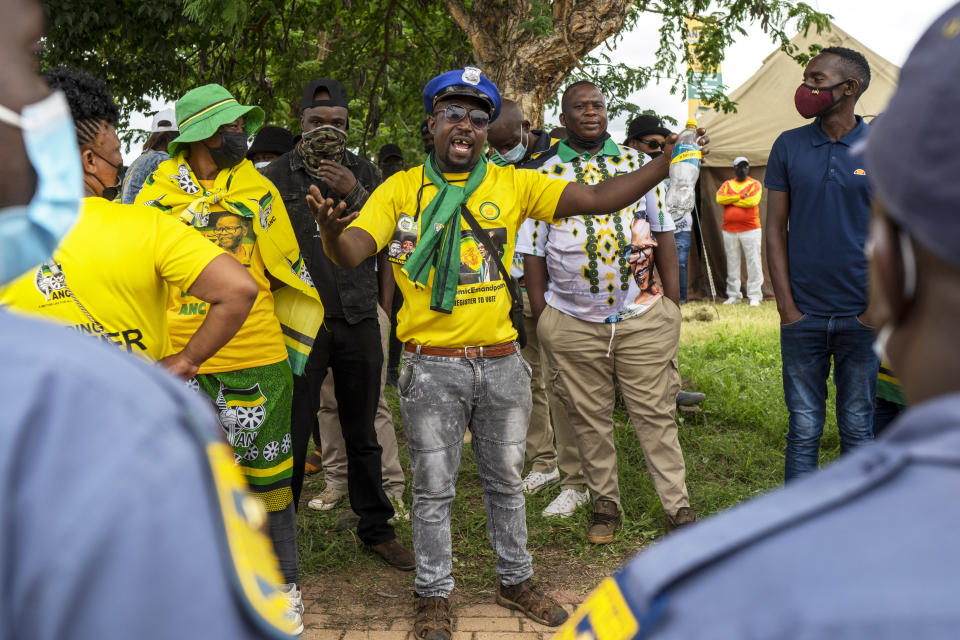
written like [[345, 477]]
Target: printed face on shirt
[[230, 231]]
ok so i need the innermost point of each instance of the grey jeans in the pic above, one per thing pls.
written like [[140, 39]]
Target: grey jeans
[[439, 398]]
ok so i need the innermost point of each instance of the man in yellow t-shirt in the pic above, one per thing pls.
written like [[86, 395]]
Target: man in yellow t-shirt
[[462, 366], [109, 276]]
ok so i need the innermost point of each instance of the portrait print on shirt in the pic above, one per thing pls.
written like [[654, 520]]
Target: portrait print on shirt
[[476, 263], [232, 233]]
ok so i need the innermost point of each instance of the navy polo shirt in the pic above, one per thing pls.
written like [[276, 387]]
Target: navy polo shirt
[[829, 219]]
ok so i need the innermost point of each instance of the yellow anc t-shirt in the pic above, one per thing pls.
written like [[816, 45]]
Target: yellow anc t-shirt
[[117, 260], [259, 341], [481, 314]]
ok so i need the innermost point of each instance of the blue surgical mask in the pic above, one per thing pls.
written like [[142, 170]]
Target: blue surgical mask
[[29, 234], [516, 154]]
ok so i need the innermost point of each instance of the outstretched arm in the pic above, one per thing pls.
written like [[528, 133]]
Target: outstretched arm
[[615, 194], [346, 247]]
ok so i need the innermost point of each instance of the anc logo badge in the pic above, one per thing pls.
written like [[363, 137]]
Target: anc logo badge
[[470, 253], [47, 282], [859, 172], [241, 412], [489, 211]]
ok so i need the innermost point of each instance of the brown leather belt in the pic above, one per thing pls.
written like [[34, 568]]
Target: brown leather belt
[[492, 351]]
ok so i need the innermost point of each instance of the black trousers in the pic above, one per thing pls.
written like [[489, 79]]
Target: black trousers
[[355, 355]]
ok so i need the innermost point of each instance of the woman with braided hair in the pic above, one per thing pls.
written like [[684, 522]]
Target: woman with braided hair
[[110, 275]]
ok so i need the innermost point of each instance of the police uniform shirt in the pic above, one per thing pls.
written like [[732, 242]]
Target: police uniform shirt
[[114, 522], [866, 548]]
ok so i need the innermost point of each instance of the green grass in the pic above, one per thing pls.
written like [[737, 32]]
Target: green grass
[[733, 450]]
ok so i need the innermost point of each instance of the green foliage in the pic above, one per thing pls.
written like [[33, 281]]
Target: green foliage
[[265, 51], [723, 22]]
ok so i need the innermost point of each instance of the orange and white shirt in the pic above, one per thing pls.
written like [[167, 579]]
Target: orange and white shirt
[[741, 204]]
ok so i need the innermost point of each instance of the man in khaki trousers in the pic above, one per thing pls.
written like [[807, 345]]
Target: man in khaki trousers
[[603, 318]]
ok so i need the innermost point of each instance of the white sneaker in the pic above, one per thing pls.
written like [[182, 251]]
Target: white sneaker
[[327, 499], [732, 301], [400, 511], [535, 481], [754, 303], [294, 611], [565, 504]]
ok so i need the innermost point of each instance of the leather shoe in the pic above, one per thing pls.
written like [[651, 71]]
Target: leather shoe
[[395, 554]]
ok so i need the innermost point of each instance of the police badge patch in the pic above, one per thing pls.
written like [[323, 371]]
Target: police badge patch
[[471, 75]]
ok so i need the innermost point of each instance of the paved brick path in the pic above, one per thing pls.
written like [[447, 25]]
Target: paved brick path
[[395, 622]]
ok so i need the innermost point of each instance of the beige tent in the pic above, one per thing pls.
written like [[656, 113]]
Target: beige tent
[[764, 110]]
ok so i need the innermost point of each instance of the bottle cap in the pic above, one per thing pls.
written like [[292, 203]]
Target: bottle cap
[[691, 124]]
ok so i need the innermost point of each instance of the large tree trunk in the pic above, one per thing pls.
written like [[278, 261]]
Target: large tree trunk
[[527, 67]]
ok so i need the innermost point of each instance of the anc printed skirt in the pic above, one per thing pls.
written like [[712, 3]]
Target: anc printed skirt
[[253, 407]]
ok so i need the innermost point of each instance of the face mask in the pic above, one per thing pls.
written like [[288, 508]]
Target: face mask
[[29, 234], [392, 167], [909, 290], [232, 149], [813, 101], [325, 142], [516, 154], [110, 193], [655, 154], [261, 165], [741, 174]]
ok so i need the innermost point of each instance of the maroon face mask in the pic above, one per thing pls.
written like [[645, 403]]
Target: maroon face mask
[[812, 101]]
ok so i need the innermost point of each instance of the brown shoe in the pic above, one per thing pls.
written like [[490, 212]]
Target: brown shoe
[[432, 620], [606, 519], [683, 517], [395, 554], [532, 601]]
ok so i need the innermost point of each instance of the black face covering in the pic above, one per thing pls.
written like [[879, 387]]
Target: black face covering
[[742, 173], [587, 143], [232, 149], [655, 154]]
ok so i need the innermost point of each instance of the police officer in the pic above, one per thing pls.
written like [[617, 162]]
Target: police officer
[[138, 539], [867, 548]]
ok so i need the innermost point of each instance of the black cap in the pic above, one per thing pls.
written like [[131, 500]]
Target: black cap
[[644, 125], [389, 151], [271, 140], [338, 94]]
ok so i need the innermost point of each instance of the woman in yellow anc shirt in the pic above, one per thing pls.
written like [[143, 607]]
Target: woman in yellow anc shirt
[[110, 275]]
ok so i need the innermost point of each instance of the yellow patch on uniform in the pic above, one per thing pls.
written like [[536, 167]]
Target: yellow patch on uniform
[[251, 552], [607, 616], [859, 172], [470, 253]]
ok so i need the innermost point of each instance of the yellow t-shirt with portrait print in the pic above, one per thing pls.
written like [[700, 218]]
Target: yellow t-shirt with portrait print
[[259, 341], [118, 260], [481, 313]]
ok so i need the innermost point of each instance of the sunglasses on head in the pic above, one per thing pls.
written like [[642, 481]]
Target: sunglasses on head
[[454, 113], [653, 144]]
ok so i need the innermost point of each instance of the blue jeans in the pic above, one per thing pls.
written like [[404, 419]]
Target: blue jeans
[[682, 238], [439, 398], [806, 347]]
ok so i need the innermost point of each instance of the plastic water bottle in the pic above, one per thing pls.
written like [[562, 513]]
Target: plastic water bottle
[[684, 171]]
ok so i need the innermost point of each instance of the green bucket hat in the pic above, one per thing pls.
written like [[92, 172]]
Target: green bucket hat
[[201, 111]]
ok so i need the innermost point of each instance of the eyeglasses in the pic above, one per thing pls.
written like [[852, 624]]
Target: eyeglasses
[[454, 113], [231, 229], [653, 144]]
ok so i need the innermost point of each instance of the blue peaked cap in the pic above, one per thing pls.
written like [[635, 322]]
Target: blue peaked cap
[[468, 81]]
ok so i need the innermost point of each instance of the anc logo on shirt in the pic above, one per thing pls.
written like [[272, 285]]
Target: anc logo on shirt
[[243, 408], [859, 172], [50, 284], [489, 211]]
